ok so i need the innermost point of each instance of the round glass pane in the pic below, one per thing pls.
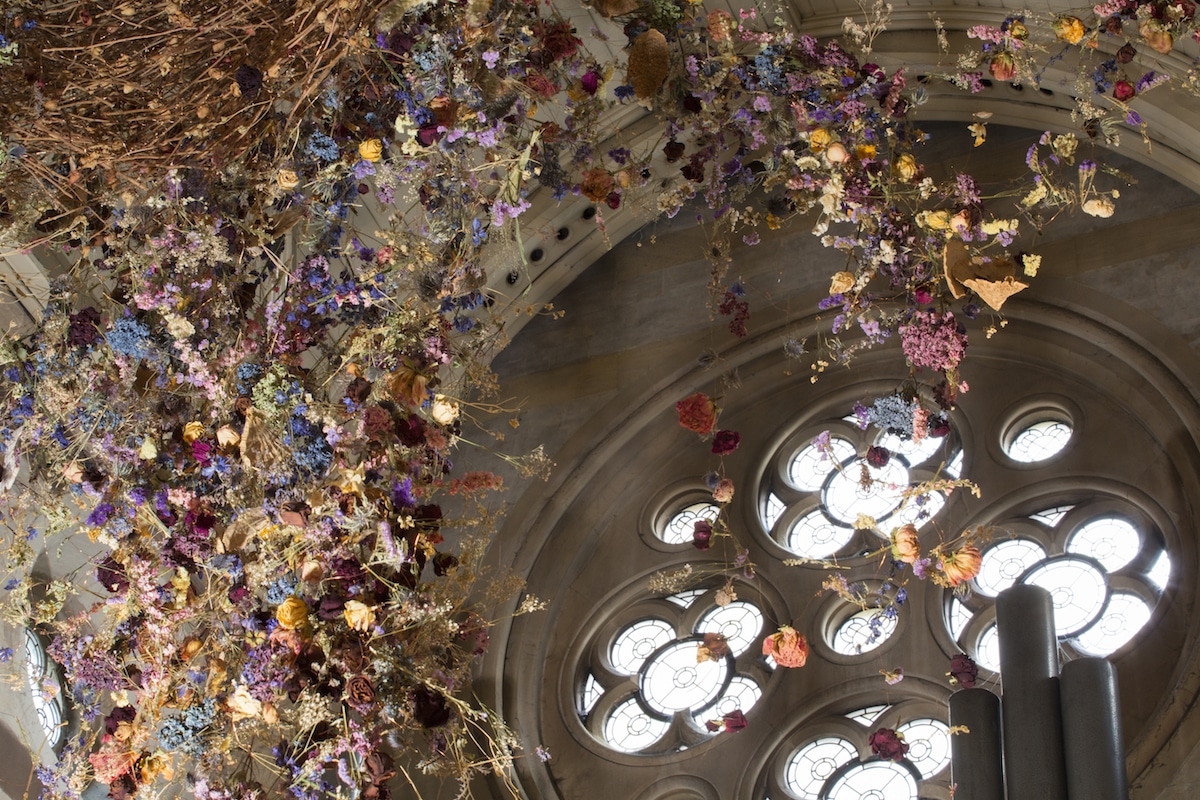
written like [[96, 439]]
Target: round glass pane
[[928, 745], [814, 536], [634, 645], [1039, 441], [1125, 615], [1077, 588], [741, 695], [814, 763], [987, 649], [740, 622], [1112, 541], [672, 680], [812, 466], [920, 510], [681, 527], [1003, 563], [631, 729], [913, 452], [863, 489], [875, 780], [862, 632]]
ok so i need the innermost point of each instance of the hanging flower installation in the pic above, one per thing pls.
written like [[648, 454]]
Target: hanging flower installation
[[250, 408]]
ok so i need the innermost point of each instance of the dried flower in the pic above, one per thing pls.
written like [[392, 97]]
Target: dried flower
[[697, 413], [963, 671], [888, 744], [788, 647]]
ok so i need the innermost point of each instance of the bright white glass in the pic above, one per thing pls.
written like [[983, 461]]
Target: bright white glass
[[681, 527], [740, 622], [674, 681], [875, 780], [1125, 615], [814, 763], [631, 729], [854, 636], [812, 466], [928, 745], [1039, 441], [634, 645], [846, 496], [1077, 589], [814, 536], [1112, 541], [1004, 562]]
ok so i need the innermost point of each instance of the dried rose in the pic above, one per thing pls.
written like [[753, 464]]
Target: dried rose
[[1158, 37], [193, 431], [715, 646], [963, 671], [1124, 91], [1003, 66], [906, 546], [878, 457], [905, 168], [1069, 29], [360, 694], [596, 185], [725, 442], [697, 413], [359, 616], [292, 613], [370, 150], [841, 283], [723, 493], [788, 647], [888, 744], [962, 565], [1126, 53], [1099, 207], [702, 534]]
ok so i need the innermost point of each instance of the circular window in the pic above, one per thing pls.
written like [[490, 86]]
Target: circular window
[[1110, 540], [673, 680], [681, 526], [814, 536], [634, 645], [875, 780], [811, 466], [863, 631], [741, 695], [928, 745], [1125, 615], [631, 729], [814, 763], [1078, 590], [1039, 441], [860, 489], [912, 451], [1005, 562], [739, 622]]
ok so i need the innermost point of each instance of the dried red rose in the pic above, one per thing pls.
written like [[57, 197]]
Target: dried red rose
[[702, 534], [963, 671], [725, 442], [878, 457], [888, 744], [360, 694]]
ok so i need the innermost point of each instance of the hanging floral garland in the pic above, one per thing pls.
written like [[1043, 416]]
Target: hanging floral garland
[[251, 409]]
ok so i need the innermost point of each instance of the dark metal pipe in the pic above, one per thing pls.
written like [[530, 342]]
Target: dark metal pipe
[[1095, 746], [1034, 765], [976, 764]]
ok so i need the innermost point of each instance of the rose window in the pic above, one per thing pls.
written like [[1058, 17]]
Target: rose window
[[830, 482], [839, 763], [1102, 562], [665, 681], [1039, 441]]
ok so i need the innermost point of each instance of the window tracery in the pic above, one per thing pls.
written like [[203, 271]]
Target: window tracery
[[664, 678], [832, 761], [1102, 562], [830, 480]]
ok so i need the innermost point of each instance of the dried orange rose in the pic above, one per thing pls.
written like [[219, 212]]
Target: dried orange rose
[[1069, 29], [905, 545], [697, 413], [962, 565], [788, 647]]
